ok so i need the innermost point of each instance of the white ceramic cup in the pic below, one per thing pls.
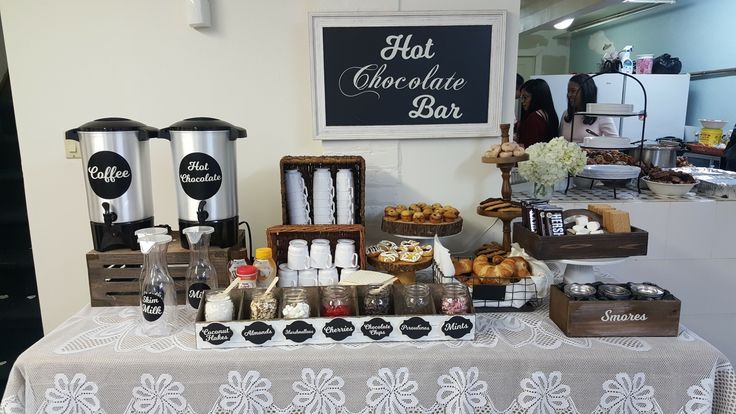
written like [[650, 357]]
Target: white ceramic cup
[[288, 277], [308, 277], [320, 256], [347, 271], [297, 257], [345, 255], [328, 276]]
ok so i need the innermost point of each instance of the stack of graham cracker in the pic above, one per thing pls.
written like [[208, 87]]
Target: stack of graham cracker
[[614, 220]]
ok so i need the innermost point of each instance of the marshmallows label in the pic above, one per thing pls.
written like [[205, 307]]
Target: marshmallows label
[[108, 174], [299, 331], [200, 175]]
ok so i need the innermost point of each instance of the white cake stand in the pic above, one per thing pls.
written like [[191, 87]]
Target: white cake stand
[[581, 270]]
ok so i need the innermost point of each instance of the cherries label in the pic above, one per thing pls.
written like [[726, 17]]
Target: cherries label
[[153, 306], [216, 333], [109, 174], [200, 175], [338, 329], [195, 293]]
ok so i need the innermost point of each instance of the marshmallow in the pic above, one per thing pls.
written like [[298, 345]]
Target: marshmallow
[[581, 220], [597, 232], [593, 226], [582, 230]]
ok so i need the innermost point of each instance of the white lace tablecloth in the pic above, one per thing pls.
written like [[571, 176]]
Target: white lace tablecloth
[[97, 362]]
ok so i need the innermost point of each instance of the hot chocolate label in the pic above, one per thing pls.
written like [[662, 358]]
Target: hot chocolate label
[[377, 329], [258, 333], [338, 329], [457, 327], [299, 331], [109, 174], [216, 333], [200, 175], [152, 306], [195, 293], [415, 327]]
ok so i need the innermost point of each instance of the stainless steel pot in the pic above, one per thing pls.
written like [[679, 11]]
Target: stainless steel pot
[[662, 156]]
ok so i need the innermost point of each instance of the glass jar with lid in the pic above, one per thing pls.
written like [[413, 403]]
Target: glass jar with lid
[[377, 301], [337, 300], [263, 305], [455, 299], [296, 305], [218, 307], [417, 299]]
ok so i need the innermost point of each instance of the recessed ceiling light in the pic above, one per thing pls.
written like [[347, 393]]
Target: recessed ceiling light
[[651, 1], [564, 24]]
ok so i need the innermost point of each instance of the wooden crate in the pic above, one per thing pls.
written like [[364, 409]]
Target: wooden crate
[[278, 238], [307, 164], [114, 276], [598, 318], [586, 246]]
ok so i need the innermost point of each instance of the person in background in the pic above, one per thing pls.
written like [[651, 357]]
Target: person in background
[[517, 105], [538, 116], [519, 82], [581, 92]]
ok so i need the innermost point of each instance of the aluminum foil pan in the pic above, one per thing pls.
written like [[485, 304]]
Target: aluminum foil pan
[[646, 290], [614, 292], [578, 291], [713, 182]]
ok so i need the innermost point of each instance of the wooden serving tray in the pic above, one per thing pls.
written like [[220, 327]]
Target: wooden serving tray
[[586, 246], [507, 160], [405, 228]]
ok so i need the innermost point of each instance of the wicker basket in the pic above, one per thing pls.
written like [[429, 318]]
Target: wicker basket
[[114, 276], [278, 238], [307, 164]]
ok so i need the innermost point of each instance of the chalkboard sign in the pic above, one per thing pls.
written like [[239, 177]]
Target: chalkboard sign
[[407, 75]]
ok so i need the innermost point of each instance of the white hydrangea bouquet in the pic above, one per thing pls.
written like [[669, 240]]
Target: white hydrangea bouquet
[[550, 162]]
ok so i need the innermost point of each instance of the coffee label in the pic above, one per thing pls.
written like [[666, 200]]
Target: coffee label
[[299, 331], [457, 327], [258, 333], [338, 329], [195, 293], [216, 333], [152, 306], [109, 174], [377, 329], [200, 175], [415, 327]]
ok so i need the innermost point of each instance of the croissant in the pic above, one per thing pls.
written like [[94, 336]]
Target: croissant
[[521, 266], [462, 266], [482, 268]]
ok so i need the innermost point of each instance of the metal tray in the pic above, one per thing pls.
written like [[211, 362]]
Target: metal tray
[[713, 181]]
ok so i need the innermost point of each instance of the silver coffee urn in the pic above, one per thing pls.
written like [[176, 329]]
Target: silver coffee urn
[[203, 151], [117, 171]]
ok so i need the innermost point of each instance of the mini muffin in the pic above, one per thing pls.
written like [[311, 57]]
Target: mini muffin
[[449, 216], [436, 218], [435, 206], [406, 215], [418, 217], [391, 215], [422, 205], [413, 207], [400, 207], [387, 209], [427, 212], [416, 209]]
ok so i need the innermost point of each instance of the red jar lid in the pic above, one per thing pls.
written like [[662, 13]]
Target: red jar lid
[[247, 272]]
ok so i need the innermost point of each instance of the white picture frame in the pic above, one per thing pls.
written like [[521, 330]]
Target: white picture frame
[[495, 18]]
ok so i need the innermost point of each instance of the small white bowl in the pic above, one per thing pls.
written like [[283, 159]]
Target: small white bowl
[[667, 189], [713, 123]]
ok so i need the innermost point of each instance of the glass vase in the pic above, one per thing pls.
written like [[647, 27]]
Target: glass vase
[[542, 191]]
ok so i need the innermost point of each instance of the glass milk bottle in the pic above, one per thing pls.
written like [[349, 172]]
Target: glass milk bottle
[[201, 275], [158, 296]]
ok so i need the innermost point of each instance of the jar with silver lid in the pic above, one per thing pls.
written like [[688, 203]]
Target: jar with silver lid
[[337, 301], [263, 305], [377, 301], [417, 299], [455, 299], [296, 305], [218, 306]]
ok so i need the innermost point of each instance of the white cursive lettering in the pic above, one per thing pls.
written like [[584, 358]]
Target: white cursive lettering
[[109, 175], [609, 316]]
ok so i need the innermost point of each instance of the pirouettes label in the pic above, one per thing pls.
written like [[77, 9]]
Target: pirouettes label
[[200, 175], [195, 293], [109, 174], [216, 333], [415, 327], [153, 306]]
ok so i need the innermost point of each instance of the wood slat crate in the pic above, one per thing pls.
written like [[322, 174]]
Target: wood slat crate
[[278, 238], [114, 276], [307, 164]]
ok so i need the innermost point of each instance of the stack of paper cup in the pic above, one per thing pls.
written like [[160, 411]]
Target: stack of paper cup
[[323, 194], [345, 195], [296, 198]]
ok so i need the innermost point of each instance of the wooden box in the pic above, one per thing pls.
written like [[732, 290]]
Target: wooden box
[[307, 164], [278, 238], [588, 246], [579, 318], [114, 276]]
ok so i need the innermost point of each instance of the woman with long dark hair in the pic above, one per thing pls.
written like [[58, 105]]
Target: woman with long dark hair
[[538, 116], [580, 92]]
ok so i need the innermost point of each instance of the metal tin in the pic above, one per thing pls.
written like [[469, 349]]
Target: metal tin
[[614, 292], [579, 291], [645, 290]]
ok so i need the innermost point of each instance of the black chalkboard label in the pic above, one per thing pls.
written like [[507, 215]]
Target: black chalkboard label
[[258, 333], [200, 175], [457, 327], [415, 327], [195, 293], [152, 306], [109, 174], [377, 329], [216, 333], [406, 75], [299, 331], [338, 329]]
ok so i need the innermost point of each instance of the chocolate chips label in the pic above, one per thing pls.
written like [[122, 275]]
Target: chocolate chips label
[[258, 333], [216, 333], [457, 327], [195, 293], [200, 175], [338, 329], [299, 331], [152, 306], [109, 174], [377, 329], [415, 327]]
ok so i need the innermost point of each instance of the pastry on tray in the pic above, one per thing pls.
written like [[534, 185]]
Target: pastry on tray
[[497, 270], [499, 205], [409, 251], [421, 213], [505, 150]]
